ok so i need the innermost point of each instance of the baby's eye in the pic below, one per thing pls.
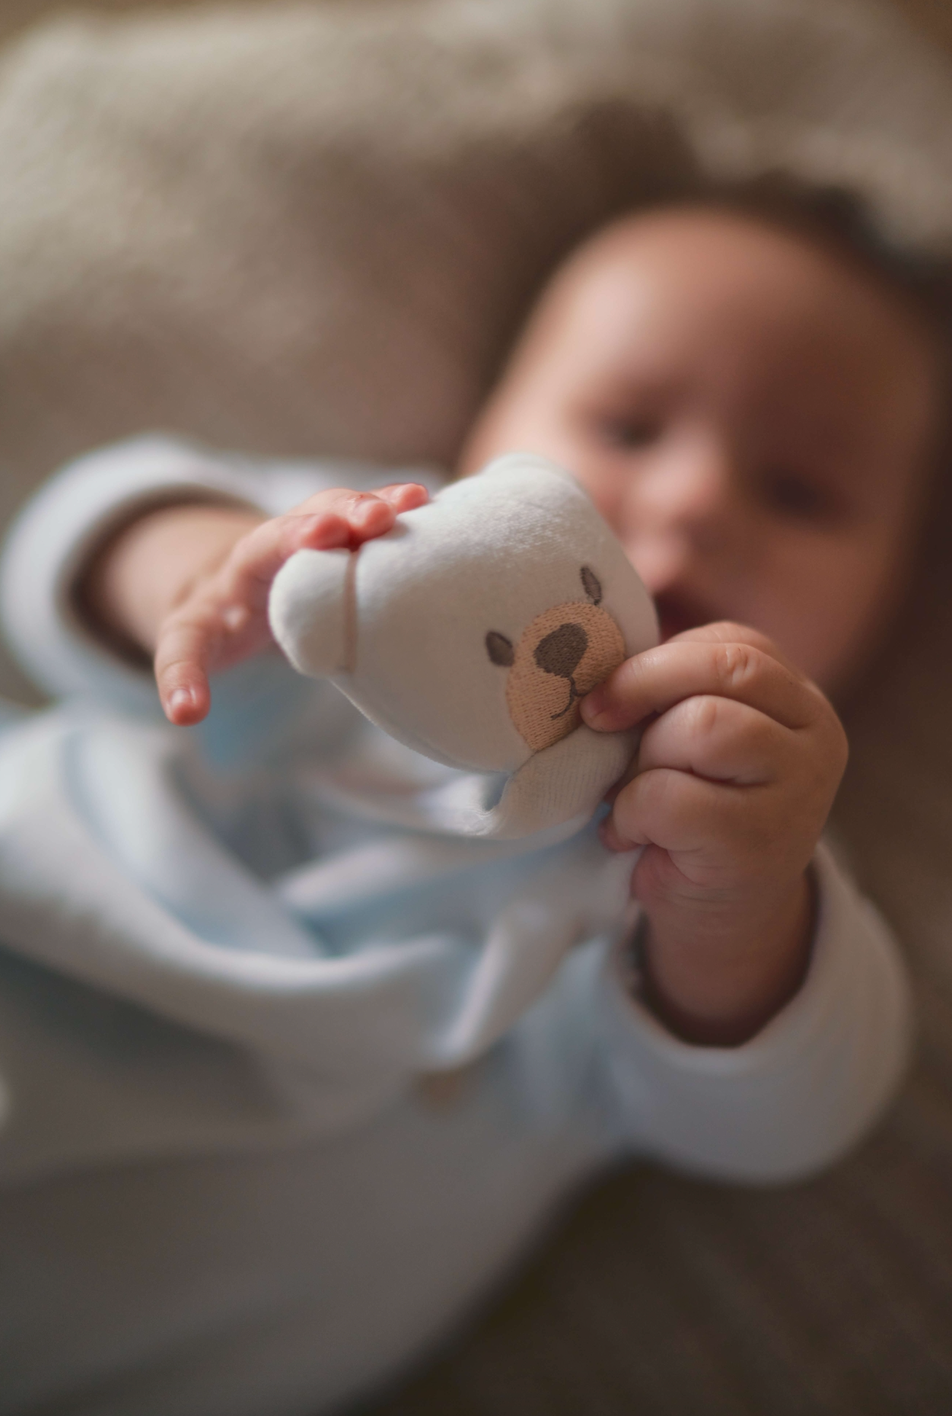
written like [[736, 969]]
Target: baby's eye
[[798, 497], [631, 431]]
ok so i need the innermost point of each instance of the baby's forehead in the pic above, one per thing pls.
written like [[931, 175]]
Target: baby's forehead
[[706, 253], [706, 272]]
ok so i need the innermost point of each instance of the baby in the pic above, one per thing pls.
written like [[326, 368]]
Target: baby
[[754, 413], [754, 407]]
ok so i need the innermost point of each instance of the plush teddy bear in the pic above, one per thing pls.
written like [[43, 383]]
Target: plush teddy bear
[[470, 632]]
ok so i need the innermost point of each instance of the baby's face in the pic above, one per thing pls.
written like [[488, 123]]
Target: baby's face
[[753, 415]]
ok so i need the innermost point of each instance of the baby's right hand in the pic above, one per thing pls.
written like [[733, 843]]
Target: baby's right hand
[[191, 582]]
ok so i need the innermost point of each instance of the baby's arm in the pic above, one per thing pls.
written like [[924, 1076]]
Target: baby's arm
[[737, 770], [188, 584]]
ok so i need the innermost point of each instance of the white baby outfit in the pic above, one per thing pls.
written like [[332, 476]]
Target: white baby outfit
[[224, 1190]]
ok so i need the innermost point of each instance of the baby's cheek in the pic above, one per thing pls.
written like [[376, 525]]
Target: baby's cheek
[[829, 614]]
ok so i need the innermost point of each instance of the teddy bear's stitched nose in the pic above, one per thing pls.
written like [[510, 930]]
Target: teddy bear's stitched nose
[[561, 651]]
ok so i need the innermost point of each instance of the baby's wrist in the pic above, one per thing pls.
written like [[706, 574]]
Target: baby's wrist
[[146, 568], [716, 974]]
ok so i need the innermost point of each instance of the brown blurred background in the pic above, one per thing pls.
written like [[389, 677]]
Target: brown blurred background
[[933, 16]]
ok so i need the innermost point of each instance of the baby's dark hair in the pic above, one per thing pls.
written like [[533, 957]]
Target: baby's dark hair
[[842, 222]]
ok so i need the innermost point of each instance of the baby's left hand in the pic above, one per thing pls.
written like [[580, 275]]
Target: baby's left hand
[[737, 769], [188, 582]]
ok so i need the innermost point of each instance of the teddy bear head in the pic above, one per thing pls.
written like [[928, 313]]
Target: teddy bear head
[[472, 630]]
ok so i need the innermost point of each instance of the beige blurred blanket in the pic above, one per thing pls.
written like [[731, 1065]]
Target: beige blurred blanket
[[313, 228]]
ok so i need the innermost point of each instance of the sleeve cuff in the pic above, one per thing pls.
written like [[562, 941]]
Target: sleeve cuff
[[59, 528], [801, 1091]]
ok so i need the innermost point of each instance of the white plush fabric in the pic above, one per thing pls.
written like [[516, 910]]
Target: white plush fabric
[[401, 626]]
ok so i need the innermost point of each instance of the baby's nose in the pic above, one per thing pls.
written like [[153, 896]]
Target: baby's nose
[[693, 493], [562, 650]]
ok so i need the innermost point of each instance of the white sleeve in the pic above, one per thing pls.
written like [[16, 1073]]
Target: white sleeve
[[59, 527], [799, 1093]]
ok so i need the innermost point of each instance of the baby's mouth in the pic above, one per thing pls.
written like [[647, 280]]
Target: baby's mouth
[[676, 613]]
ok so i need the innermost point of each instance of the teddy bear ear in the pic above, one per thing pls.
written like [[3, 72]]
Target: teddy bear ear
[[500, 649], [307, 611], [591, 584]]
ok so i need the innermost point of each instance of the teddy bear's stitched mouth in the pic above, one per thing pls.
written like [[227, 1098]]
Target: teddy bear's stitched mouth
[[560, 653], [573, 695]]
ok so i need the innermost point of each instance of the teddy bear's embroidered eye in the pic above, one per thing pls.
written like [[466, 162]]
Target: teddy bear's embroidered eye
[[500, 649], [591, 585]]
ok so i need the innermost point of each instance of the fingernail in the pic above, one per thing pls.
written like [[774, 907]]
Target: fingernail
[[594, 706], [180, 700]]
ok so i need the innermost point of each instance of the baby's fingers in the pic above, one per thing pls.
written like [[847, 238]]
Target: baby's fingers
[[181, 657], [653, 682], [337, 519], [679, 813], [224, 618], [721, 740], [344, 518], [404, 496]]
